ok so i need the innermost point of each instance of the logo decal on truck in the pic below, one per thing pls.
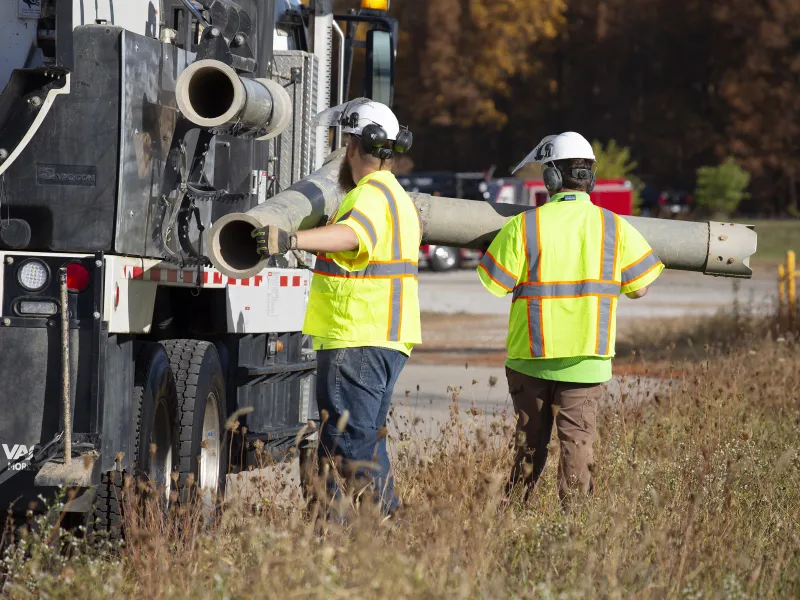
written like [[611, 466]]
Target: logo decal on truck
[[16, 452], [80, 175]]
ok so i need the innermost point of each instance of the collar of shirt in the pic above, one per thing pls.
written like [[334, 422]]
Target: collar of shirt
[[571, 196], [379, 175]]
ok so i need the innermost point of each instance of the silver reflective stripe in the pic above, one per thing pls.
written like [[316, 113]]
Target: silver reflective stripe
[[496, 272], [639, 268], [396, 307], [345, 216], [362, 220], [609, 245], [396, 253], [396, 299], [398, 269], [562, 290], [535, 327], [532, 244], [604, 325]]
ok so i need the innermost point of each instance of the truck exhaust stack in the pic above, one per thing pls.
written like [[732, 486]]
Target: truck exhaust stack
[[211, 94]]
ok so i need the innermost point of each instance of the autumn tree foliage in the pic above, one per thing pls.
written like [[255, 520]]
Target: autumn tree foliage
[[761, 86], [460, 56], [683, 84]]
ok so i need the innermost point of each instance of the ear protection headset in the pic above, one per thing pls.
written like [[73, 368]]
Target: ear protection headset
[[554, 181], [373, 138]]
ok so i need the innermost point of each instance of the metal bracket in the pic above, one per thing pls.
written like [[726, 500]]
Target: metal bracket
[[730, 246]]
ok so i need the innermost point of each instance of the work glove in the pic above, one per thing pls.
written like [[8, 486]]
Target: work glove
[[272, 240]]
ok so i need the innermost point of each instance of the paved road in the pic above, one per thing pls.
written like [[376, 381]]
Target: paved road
[[674, 294]]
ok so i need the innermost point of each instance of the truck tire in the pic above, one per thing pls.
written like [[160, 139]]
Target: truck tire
[[153, 396], [106, 517], [156, 409], [203, 453]]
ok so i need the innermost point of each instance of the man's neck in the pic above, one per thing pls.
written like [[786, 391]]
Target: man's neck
[[364, 172], [566, 191]]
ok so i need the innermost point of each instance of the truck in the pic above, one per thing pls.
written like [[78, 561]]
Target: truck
[[127, 128], [615, 195]]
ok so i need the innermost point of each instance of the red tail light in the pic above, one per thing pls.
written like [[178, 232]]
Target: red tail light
[[77, 277]]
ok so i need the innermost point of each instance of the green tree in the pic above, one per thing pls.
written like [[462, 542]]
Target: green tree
[[720, 189], [615, 162]]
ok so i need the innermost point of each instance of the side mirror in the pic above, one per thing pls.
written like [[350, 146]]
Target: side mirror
[[379, 67]]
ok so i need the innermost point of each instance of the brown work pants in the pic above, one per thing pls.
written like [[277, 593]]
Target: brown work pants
[[573, 407]]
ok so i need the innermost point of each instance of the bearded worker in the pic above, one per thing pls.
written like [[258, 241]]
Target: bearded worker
[[565, 263], [363, 307]]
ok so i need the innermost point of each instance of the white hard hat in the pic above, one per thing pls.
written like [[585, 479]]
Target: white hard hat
[[357, 114], [559, 147]]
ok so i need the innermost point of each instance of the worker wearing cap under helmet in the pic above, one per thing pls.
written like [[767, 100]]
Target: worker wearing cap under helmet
[[565, 263], [363, 307]]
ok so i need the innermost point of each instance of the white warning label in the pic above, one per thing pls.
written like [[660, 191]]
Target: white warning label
[[272, 294]]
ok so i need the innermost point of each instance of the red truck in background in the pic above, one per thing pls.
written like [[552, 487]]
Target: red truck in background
[[615, 195]]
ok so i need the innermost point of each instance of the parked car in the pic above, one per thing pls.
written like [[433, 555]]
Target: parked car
[[472, 186], [674, 203], [445, 258]]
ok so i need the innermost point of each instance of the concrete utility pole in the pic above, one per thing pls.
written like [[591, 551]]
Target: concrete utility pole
[[720, 249]]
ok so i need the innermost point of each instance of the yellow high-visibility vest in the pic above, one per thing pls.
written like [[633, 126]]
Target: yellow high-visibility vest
[[370, 295], [566, 263]]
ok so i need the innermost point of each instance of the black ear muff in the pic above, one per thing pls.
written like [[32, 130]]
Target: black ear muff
[[404, 140], [373, 139], [592, 181], [552, 179], [373, 135]]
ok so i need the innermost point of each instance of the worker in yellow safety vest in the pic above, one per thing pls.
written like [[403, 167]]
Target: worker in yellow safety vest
[[363, 307], [565, 264]]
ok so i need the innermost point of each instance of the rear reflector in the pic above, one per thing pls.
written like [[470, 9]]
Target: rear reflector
[[37, 308], [77, 277]]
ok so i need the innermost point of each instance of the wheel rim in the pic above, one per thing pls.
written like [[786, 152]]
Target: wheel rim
[[446, 256], [161, 459], [210, 446]]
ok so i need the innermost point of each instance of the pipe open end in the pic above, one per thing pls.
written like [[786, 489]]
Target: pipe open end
[[233, 251], [209, 93]]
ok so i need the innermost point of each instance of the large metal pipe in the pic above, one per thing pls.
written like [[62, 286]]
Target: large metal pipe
[[706, 247], [306, 204], [211, 94], [712, 248]]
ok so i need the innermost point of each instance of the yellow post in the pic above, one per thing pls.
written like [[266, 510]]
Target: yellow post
[[791, 273], [781, 290]]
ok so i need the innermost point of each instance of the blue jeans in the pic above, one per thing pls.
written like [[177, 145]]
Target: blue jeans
[[360, 381]]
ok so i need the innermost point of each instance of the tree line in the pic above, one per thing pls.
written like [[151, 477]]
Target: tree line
[[684, 84]]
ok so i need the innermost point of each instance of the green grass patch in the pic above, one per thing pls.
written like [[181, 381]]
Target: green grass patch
[[775, 237]]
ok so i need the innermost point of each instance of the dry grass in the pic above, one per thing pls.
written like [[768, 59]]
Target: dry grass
[[698, 496]]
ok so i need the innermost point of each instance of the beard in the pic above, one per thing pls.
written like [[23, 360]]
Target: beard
[[346, 181]]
